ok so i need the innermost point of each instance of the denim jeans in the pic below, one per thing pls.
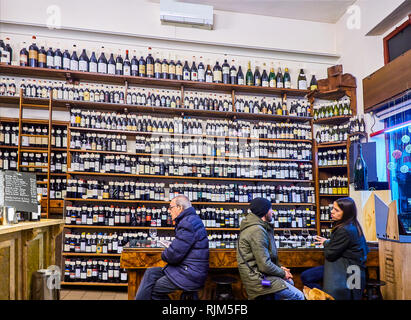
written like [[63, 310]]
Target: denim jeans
[[289, 293], [155, 285], [311, 277]]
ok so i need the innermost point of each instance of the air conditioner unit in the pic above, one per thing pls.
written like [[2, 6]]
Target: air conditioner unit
[[186, 14]]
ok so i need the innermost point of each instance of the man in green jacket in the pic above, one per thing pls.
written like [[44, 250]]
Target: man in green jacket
[[262, 275]]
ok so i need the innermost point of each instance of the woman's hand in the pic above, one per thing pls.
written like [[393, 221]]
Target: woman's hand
[[320, 240], [288, 274]]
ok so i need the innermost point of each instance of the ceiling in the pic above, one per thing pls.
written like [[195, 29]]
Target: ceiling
[[329, 11]]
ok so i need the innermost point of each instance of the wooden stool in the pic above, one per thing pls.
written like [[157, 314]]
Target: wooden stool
[[372, 289], [224, 290]]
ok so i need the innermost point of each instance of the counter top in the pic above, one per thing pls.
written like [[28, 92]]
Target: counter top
[[30, 225]]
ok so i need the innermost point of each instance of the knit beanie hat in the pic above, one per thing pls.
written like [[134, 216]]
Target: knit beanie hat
[[260, 206]]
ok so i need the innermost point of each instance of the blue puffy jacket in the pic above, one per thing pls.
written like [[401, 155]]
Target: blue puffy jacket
[[187, 256]]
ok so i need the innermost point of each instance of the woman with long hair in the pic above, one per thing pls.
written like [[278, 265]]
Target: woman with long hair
[[345, 255]]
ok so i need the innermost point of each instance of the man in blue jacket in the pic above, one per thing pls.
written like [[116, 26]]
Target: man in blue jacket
[[186, 257]]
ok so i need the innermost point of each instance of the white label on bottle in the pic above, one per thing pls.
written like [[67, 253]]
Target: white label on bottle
[[57, 61], [287, 84], [201, 74], [83, 65], [50, 61], [226, 70], [93, 67], [241, 81], [66, 63], [302, 85], [119, 66], [102, 67], [111, 69], [74, 65], [127, 71]]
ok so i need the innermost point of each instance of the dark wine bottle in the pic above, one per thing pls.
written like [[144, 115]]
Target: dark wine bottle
[[150, 64], [58, 59], [280, 81], [141, 67], [194, 71], [164, 69], [302, 80], [226, 72], [66, 60], [233, 73], [179, 70], [93, 65], [157, 68], [119, 65], [134, 66], [209, 74], [186, 71], [24, 56], [217, 72], [83, 61], [127, 65], [201, 71], [74, 60], [313, 83], [257, 77], [42, 62], [111, 65], [360, 171], [50, 58], [264, 78], [172, 70], [33, 54], [240, 76], [102, 62]]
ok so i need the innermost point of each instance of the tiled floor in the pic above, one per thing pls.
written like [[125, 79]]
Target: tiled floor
[[79, 294]]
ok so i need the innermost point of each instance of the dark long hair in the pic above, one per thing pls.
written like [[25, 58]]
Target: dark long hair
[[349, 209]]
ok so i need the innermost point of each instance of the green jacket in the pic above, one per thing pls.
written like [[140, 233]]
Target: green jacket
[[257, 246]]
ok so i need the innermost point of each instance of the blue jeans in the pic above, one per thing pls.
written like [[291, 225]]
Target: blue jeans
[[155, 285], [289, 293], [311, 277]]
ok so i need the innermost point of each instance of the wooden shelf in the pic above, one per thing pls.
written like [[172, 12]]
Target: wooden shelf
[[337, 166], [86, 254], [332, 144], [80, 226], [183, 177], [334, 195], [333, 120], [187, 156], [327, 221], [138, 133], [8, 147], [335, 94], [64, 75], [194, 202], [109, 284]]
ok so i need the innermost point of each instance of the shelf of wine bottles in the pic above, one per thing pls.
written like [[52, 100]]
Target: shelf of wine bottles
[[334, 186]]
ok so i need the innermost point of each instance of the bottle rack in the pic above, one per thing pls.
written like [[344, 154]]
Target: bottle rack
[[126, 81]]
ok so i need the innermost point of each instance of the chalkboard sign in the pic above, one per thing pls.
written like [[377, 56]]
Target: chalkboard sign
[[18, 190]]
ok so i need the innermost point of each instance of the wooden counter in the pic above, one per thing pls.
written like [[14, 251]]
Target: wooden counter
[[224, 262], [25, 248]]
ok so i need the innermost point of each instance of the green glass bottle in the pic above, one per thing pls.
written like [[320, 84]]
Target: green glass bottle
[[249, 78], [335, 109], [271, 79]]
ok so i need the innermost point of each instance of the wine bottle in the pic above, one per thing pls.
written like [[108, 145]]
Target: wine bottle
[[141, 67], [111, 65], [249, 78], [172, 70], [201, 71], [179, 70], [257, 77], [360, 171], [119, 65], [66, 60], [186, 71], [271, 79], [58, 59], [164, 69], [50, 58], [33, 54], [42, 60], [217, 73], [209, 74], [157, 67], [93, 65], [24, 56], [74, 60], [280, 81], [240, 76], [287, 79], [226, 72], [150, 64], [194, 71], [127, 65], [264, 78], [302, 81], [102, 62], [134, 66], [233, 73], [6, 55], [313, 83]]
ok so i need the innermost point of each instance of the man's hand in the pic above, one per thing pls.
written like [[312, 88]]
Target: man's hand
[[320, 240], [288, 274]]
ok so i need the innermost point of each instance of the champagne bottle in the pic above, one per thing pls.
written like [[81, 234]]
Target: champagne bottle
[[226, 72], [127, 65], [360, 171], [287, 79], [280, 81], [302, 80], [33, 54], [271, 79], [313, 83], [249, 78], [217, 73], [257, 77]]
